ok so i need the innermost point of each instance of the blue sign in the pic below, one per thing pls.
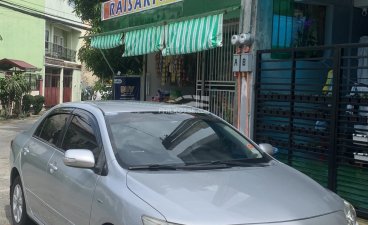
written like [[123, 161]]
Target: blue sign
[[127, 88]]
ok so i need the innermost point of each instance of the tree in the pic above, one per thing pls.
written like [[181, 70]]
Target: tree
[[90, 12], [95, 62], [12, 89], [4, 98]]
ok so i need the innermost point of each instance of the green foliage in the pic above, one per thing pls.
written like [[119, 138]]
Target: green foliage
[[95, 62], [87, 93], [90, 12], [12, 89], [3, 94], [104, 88], [27, 101], [38, 102]]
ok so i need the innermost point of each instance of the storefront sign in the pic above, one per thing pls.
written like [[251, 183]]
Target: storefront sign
[[127, 88], [118, 8], [118, 81]]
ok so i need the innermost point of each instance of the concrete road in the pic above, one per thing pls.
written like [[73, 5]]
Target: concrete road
[[8, 130]]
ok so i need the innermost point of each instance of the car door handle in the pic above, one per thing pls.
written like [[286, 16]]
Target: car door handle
[[25, 150], [53, 168]]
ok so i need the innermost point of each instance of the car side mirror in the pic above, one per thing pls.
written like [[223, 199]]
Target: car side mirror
[[79, 158], [269, 149]]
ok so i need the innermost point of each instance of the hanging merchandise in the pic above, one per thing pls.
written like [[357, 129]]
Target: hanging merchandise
[[171, 69], [180, 71], [158, 57], [165, 62]]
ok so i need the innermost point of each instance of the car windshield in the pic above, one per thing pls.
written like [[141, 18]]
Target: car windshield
[[151, 139]]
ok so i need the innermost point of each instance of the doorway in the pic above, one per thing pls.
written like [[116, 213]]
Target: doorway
[[52, 86]]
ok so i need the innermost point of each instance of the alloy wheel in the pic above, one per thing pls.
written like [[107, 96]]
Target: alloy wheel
[[17, 206]]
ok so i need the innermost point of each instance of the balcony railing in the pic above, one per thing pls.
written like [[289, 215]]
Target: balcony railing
[[59, 52]]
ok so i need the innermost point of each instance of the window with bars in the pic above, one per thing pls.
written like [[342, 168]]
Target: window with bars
[[297, 24], [47, 39], [33, 81]]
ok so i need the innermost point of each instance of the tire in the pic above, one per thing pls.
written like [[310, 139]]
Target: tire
[[17, 204]]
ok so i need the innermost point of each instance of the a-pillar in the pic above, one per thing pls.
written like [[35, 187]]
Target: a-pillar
[[61, 86]]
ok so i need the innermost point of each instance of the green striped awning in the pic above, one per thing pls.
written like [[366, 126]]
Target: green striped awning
[[144, 41], [193, 35], [107, 41]]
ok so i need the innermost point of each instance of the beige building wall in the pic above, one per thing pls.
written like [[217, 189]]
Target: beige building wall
[[87, 77], [76, 86]]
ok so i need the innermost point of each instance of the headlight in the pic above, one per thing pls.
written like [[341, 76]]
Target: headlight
[[350, 213], [151, 221]]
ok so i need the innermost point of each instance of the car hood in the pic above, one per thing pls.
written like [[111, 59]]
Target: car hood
[[242, 195]]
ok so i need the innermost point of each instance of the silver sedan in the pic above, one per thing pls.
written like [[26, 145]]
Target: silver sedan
[[130, 163]]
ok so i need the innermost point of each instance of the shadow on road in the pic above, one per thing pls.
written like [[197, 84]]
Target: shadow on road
[[7, 213]]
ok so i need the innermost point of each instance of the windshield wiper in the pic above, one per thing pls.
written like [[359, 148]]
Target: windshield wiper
[[154, 167], [218, 164], [180, 167], [229, 163]]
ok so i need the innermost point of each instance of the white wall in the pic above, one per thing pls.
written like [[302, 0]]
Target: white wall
[[76, 86], [63, 11], [61, 8]]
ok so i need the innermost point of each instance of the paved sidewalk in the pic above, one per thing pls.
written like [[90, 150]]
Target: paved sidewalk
[[8, 130]]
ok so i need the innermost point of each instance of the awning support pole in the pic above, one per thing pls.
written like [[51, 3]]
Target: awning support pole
[[103, 54], [113, 74]]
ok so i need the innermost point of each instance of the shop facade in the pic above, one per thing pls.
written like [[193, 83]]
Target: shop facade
[[201, 79], [186, 46]]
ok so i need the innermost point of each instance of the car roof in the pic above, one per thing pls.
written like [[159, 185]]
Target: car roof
[[113, 107]]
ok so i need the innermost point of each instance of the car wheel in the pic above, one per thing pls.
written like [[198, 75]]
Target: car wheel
[[18, 204]]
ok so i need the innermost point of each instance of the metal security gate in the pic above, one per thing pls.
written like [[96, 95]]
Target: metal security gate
[[215, 88], [312, 103], [67, 85]]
